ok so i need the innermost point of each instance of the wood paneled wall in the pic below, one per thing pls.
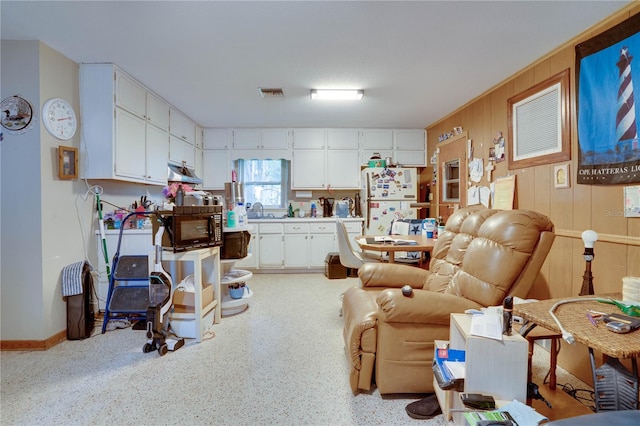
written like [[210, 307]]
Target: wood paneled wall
[[572, 210]]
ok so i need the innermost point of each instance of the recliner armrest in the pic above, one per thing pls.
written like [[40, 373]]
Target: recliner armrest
[[390, 275], [423, 307]]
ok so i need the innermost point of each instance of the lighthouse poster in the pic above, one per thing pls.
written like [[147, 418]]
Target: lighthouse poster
[[607, 68]]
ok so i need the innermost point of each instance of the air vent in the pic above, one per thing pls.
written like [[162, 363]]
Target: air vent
[[270, 93]]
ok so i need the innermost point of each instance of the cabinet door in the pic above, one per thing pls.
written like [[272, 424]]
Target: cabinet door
[[410, 147], [343, 171], [157, 152], [216, 168], [308, 139], [410, 139], [342, 139], [246, 139], [308, 169], [157, 111], [320, 245], [130, 95], [377, 139], [271, 250], [181, 126], [216, 138], [180, 151], [296, 249], [130, 147], [410, 158], [275, 139]]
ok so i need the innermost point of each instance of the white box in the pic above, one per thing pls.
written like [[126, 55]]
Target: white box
[[186, 328]]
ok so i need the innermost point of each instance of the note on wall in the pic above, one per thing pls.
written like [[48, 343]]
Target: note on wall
[[632, 201], [504, 193]]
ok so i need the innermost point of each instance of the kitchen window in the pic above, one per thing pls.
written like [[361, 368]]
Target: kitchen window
[[264, 181]]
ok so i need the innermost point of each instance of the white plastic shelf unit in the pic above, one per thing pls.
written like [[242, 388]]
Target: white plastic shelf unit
[[229, 305], [205, 265]]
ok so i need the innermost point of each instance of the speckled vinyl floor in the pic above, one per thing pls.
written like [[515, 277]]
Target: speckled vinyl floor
[[281, 362]]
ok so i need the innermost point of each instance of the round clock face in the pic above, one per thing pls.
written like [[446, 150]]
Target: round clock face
[[59, 118]]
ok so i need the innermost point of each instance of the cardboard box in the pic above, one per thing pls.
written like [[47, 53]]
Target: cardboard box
[[184, 301]]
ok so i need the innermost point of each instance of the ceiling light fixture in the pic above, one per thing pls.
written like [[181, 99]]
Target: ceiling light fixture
[[336, 94]]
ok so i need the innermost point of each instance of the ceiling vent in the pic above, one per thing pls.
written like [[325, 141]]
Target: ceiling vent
[[270, 93]]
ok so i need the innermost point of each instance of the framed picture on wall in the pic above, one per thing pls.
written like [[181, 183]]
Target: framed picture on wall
[[67, 162], [539, 123], [561, 176]]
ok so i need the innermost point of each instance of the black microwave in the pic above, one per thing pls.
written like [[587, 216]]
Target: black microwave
[[190, 227]]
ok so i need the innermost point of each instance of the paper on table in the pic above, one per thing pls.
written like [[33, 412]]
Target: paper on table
[[488, 324], [523, 414], [456, 368]]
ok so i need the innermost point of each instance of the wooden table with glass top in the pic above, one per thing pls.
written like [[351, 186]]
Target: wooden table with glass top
[[396, 243]]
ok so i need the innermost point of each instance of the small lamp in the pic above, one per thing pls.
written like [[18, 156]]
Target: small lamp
[[589, 237]]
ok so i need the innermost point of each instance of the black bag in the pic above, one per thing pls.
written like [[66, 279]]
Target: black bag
[[236, 245]]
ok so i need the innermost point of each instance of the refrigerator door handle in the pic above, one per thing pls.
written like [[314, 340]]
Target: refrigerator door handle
[[368, 201]]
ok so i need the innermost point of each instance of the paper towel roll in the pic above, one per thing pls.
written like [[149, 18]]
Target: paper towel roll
[[631, 289]]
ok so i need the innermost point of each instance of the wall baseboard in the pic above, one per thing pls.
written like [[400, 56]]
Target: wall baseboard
[[33, 345]]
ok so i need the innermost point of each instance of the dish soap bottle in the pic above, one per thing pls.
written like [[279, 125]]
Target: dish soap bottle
[[290, 214]]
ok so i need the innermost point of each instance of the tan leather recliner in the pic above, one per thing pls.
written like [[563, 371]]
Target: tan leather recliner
[[483, 256]]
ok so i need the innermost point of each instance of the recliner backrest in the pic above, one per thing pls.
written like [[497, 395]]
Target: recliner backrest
[[486, 254]]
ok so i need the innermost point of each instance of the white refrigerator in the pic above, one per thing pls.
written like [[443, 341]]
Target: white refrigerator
[[387, 194]]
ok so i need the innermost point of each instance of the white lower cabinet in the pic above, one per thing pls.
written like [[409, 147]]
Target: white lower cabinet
[[296, 247], [271, 245], [298, 244], [322, 240]]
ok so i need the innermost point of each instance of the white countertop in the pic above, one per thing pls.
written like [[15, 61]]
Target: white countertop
[[304, 219]]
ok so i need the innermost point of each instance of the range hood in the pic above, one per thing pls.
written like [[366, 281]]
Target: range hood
[[183, 174]]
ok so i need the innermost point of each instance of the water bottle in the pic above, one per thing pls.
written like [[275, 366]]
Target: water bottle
[[241, 214]]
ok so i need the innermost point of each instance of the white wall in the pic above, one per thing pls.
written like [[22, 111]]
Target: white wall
[[45, 223], [21, 284]]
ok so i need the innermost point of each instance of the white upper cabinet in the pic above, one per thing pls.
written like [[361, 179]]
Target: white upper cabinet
[[216, 158], [260, 139], [410, 147], [182, 127], [308, 138], [376, 141], [121, 141], [380, 139], [343, 139], [325, 159], [130, 95], [133, 97], [157, 111], [216, 138], [275, 139], [261, 144]]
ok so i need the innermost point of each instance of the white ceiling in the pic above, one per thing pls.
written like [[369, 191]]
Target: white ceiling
[[416, 61]]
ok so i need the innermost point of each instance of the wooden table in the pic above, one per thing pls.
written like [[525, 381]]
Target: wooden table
[[423, 244], [573, 316]]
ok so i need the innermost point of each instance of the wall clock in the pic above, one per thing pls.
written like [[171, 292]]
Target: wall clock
[[59, 118], [16, 115]]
